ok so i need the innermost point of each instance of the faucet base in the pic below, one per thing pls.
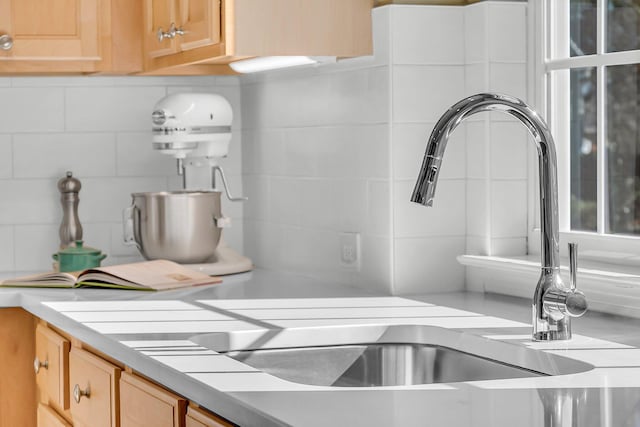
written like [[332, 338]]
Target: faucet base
[[552, 336]]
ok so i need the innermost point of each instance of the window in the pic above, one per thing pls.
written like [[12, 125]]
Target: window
[[589, 75]]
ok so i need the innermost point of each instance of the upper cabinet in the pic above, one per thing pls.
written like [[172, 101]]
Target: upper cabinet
[[214, 32], [174, 36], [69, 36]]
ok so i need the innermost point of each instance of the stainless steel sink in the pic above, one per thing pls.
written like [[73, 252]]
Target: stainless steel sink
[[376, 355]]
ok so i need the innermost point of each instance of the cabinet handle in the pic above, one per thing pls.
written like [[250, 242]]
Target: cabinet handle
[[37, 364], [171, 34], [78, 393], [6, 42]]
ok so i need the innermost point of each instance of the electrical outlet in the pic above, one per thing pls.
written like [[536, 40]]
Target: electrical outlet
[[350, 251]]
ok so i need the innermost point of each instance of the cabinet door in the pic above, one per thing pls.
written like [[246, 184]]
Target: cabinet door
[[94, 390], [143, 404], [158, 16], [52, 366], [196, 417], [51, 29], [200, 21], [47, 417]]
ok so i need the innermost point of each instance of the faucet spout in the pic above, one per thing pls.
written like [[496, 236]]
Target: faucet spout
[[549, 322]]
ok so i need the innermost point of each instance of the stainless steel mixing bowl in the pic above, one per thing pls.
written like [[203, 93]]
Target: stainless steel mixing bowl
[[180, 226]]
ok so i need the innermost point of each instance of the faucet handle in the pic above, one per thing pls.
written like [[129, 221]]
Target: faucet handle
[[575, 302]]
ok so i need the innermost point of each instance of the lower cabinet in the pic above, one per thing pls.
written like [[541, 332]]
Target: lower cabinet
[[65, 384], [143, 403], [93, 383], [48, 417], [197, 417]]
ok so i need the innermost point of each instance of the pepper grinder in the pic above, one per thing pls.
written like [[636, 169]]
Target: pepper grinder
[[70, 228]]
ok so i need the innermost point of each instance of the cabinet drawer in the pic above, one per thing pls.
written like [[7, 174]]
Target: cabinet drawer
[[143, 404], [93, 384], [51, 365], [197, 417], [47, 417]]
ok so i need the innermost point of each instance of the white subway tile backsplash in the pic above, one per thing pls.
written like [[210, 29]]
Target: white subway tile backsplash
[[6, 249], [422, 93], [50, 155], [477, 208], [507, 31], [33, 201], [475, 29], [135, 157], [477, 148], [355, 97], [476, 79], [427, 35], [516, 246], [336, 152], [508, 150], [285, 205], [103, 108], [378, 217], [34, 246], [6, 157], [376, 264], [338, 205], [445, 218], [5, 81], [429, 264], [32, 109], [510, 79], [509, 212]]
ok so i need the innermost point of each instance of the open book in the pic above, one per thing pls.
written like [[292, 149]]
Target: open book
[[157, 275]]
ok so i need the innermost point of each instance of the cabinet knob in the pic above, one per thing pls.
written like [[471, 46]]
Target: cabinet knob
[[78, 393], [37, 364], [6, 42]]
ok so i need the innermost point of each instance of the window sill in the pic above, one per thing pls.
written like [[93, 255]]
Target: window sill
[[609, 288]]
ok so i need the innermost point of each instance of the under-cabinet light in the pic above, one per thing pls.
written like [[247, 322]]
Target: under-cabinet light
[[264, 63]]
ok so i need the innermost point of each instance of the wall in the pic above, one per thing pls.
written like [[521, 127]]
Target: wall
[[99, 128], [336, 149]]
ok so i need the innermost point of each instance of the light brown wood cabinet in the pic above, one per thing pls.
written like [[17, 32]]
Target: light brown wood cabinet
[[48, 417], [93, 384], [51, 379], [212, 33], [197, 417], [51, 366], [144, 404], [70, 36]]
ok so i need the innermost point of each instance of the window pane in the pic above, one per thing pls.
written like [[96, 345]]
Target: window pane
[[623, 25], [623, 148], [583, 27], [584, 188]]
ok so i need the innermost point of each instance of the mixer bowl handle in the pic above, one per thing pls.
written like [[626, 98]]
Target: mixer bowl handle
[[127, 226]]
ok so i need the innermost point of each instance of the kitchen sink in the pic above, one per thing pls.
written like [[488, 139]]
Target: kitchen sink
[[376, 355]]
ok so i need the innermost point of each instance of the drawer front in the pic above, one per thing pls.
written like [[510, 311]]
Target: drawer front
[[51, 364], [143, 404], [93, 384], [196, 417], [47, 417]]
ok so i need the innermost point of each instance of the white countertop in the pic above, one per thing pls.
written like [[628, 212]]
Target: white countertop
[[150, 332]]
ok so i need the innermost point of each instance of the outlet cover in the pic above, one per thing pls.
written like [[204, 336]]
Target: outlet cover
[[350, 251]]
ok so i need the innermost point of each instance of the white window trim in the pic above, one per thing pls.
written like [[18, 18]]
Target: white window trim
[[609, 270], [617, 249]]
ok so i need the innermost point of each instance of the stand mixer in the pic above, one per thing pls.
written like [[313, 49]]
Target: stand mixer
[[185, 226]]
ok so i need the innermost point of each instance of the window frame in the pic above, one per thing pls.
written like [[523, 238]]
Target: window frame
[[550, 98]]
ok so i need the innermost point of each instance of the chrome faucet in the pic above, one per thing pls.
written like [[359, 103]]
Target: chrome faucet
[[554, 303]]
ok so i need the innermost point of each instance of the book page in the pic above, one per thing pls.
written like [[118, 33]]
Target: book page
[[156, 274], [52, 279]]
